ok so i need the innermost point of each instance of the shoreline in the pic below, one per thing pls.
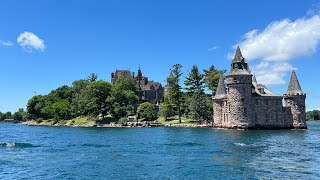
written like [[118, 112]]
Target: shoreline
[[113, 125]]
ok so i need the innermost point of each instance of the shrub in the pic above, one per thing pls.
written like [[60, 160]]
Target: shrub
[[147, 111]]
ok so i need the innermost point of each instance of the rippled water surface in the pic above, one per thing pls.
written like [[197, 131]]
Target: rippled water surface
[[158, 153]]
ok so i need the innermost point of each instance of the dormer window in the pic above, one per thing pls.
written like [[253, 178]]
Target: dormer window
[[261, 90], [236, 65]]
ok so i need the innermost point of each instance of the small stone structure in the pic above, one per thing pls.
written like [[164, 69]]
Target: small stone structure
[[246, 104]]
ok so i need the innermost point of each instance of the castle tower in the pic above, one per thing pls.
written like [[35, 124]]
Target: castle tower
[[239, 82], [219, 99], [295, 100]]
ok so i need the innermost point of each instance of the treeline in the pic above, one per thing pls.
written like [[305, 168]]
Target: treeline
[[313, 115], [86, 97], [96, 99], [20, 115]]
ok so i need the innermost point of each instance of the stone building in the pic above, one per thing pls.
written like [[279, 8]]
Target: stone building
[[149, 90], [246, 104]]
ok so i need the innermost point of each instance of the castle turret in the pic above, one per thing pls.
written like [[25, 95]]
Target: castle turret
[[219, 99], [295, 101], [239, 82]]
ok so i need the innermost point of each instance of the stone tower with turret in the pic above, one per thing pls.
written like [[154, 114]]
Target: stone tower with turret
[[247, 104], [295, 101], [239, 82]]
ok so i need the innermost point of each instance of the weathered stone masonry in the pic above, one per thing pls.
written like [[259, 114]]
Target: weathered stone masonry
[[246, 104]]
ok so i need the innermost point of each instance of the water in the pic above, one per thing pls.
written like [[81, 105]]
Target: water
[[157, 153]]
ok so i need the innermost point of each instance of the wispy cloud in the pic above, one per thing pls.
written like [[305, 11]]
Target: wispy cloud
[[29, 42], [278, 44], [6, 43], [213, 48]]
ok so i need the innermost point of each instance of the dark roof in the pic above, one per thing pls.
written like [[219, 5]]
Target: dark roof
[[221, 90], [294, 86], [243, 66], [152, 86], [238, 56]]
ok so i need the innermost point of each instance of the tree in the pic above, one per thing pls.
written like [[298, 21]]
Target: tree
[[194, 84], [92, 77], [194, 81], [147, 110], [19, 115], [212, 76], [175, 88], [61, 109], [35, 106], [8, 115], [124, 96], [93, 100], [167, 110], [313, 115]]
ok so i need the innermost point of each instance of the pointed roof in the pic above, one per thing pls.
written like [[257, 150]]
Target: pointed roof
[[238, 56], [221, 90], [254, 80], [294, 86]]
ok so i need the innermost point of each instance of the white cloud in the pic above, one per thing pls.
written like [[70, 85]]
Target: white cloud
[[271, 73], [278, 44], [283, 40], [29, 42], [213, 48], [6, 43]]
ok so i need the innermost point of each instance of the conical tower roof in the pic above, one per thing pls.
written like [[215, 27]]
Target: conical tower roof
[[238, 56], [221, 90], [254, 80], [294, 85]]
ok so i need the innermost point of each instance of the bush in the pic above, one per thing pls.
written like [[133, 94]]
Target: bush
[[122, 120], [167, 110], [39, 120], [147, 111]]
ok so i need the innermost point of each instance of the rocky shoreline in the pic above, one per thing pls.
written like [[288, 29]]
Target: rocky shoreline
[[114, 125]]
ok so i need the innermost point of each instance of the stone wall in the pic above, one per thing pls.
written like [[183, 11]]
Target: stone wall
[[296, 107]]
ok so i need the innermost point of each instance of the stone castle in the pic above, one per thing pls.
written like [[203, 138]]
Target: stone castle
[[246, 104], [150, 91]]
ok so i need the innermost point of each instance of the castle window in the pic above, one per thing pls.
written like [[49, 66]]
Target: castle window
[[255, 117], [236, 65]]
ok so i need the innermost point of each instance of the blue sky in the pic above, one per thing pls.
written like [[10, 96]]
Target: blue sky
[[45, 44]]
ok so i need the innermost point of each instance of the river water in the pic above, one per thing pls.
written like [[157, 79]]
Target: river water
[[31, 152]]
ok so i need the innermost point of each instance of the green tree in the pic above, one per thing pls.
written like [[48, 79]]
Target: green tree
[[124, 96], [313, 115], [35, 106], [61, 109], [8, 115], [147, 110], [175, 88], [92, 77], [93, 100], [194, 81], [195, 85], [167, 110], [19, 115], [212, 76]]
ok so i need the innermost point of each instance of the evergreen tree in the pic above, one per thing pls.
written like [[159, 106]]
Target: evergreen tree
[[194, 85], [211, 77], [194, 81], [175, 88]]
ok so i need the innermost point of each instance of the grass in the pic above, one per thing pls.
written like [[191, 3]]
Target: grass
[[175, 120], [79, 121]]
